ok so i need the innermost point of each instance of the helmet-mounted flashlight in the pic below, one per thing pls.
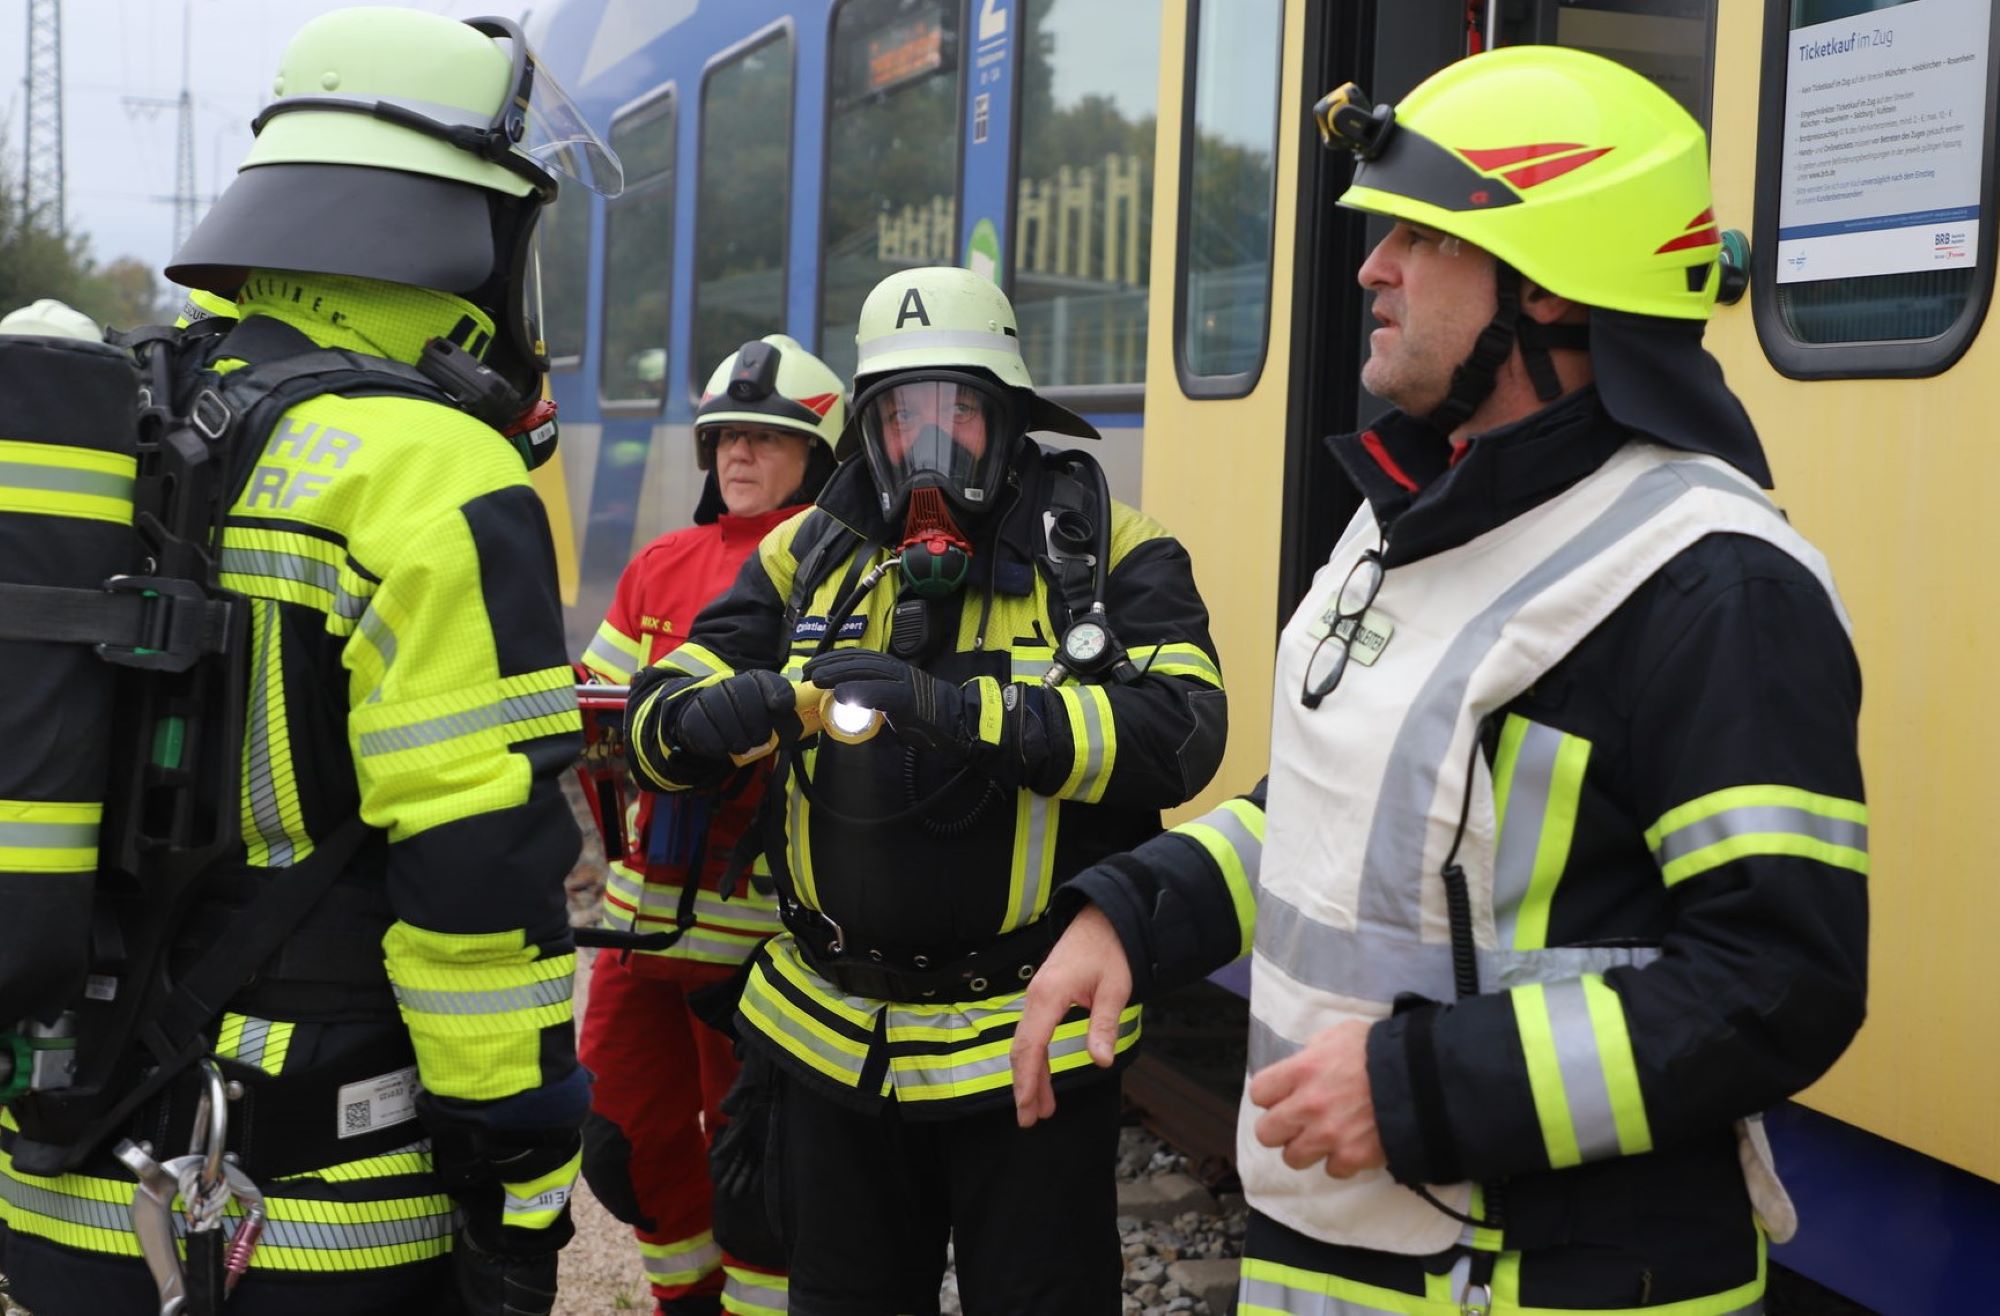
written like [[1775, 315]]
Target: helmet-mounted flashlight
[[1349, 121], [755, 374]]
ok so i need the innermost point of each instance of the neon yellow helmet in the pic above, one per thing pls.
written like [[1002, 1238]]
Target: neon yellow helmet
[[407, 147], [1575, 170], [771, 381]]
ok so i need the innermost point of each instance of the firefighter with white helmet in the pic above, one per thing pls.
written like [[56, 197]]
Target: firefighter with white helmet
[[765, 429]]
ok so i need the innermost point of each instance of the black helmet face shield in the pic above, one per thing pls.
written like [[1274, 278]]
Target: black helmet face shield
[[944, 430]]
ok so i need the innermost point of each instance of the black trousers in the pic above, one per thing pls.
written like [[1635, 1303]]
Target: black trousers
[[50, 1280], [871, 1200]]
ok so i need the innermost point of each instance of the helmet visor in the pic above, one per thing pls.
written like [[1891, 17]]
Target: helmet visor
[[946, 431], [560, 138]]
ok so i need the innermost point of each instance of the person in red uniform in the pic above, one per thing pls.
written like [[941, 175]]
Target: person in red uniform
[[764, 432]]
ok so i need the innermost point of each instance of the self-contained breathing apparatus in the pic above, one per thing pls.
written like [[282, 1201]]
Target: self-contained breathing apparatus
[[127, 671]]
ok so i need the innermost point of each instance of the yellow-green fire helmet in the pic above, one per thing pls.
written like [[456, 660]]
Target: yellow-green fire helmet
[[774, 382], [1577, 171]]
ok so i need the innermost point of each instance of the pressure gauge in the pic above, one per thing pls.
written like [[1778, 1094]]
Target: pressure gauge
[[1084, 644]]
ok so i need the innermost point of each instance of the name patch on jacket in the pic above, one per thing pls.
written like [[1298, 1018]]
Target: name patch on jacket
[[814, 628]]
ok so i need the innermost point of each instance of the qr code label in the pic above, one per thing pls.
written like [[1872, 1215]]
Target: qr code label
[[377, 1103]]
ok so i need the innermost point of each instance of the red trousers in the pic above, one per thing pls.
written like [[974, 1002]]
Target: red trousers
[[661, 1075]]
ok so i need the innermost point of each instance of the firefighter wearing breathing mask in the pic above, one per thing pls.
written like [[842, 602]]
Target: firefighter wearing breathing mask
[[1043, 662]]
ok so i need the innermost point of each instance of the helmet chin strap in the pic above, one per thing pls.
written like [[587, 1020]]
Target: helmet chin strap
[[1472, 382], [935, 555]]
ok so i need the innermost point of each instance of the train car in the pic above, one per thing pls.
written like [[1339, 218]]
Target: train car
[[1142, 177]]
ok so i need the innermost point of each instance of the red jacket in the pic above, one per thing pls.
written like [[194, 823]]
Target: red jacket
[[662, 589]]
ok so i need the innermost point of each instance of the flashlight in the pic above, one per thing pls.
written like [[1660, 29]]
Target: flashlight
[[847, 722]]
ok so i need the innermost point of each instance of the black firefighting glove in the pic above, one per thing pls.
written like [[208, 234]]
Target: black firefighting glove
[[512, 1188], [994, 724], [683, 737]]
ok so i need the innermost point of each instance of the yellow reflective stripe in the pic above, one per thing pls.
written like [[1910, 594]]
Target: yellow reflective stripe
[[1744, 821], [988, 692], [1476, 1236], [475, 1005], [695, 660], [813, 1041], [1175, 660], [684, 1262], [798, 839], [514, 709], [852, 1011], [49, 836], [1032, 866], [538, 1202], [274, 828], [1538, 776], [1093, 740], [755, 1292], [290, 567], [631, 900], [1581, 1071], [262, 1043], [613, 654], [413, 1159], [959, 1070], [1233, 836], [1266, 1288], [49, 479], [1743, 1300]]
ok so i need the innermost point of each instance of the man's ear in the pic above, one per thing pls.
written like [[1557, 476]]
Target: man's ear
[[1544, 307]]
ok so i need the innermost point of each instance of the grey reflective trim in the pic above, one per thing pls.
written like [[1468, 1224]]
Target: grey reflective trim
[[260, 780], [1759, 818], [610, 655], [502, 713], [63, 479], [533, 996], [1268, 1046], [1249, 850], [349, 606], [36, 1200], [798, 1037], [1375, 966], [48, 836], [937, 1070], [696, 1262], [1270, 1295], [756, 1290], [1521, 829], [277, 565], [346, 1237], [930, 340], [1389, 898], [378, 633], [1029, 858], [1582, 1067], [1032, 669], [250, 1048], [1094, 735], [680, 660]]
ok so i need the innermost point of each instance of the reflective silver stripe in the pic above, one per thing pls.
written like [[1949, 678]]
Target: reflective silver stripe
[[610, 655], [32, 1197], [765, 1292], [769, 1009], [1754, 819], [1274, 1295], [1249, 850], [553, 1198], [48, 836], [1582, 1070], [260, 781], [378, 633], [532, 996], [1094, 734], [501, 713], [1388, 898], [1032, 669], [250, 1045], [681, 660], [681, 1262], [1268, 1046], [347, 605], [64, 479], [929, 340], [1374, 966], [938, 1070], [277, 565], [1032, 857], [1521, 829]]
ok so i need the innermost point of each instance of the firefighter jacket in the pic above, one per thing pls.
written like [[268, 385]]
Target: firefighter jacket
[[903, 855], [1610, 684], [407, 664], [650, 615]]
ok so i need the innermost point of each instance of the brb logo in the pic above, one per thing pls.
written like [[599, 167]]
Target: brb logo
[[1949, 244]]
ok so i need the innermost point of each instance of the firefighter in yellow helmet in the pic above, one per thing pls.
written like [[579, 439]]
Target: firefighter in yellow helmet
[[764, 432], [1557, 878], [1042, 658], [396, 1086]]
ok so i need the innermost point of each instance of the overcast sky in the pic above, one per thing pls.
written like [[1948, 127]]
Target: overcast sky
[[120, 159]]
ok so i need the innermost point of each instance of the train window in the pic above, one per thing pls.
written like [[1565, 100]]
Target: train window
[[891, 155], [1228, 196], [742, 202], [562, 269], [1875, 150], [638, 254], [1670, 41], [1083, 214]]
